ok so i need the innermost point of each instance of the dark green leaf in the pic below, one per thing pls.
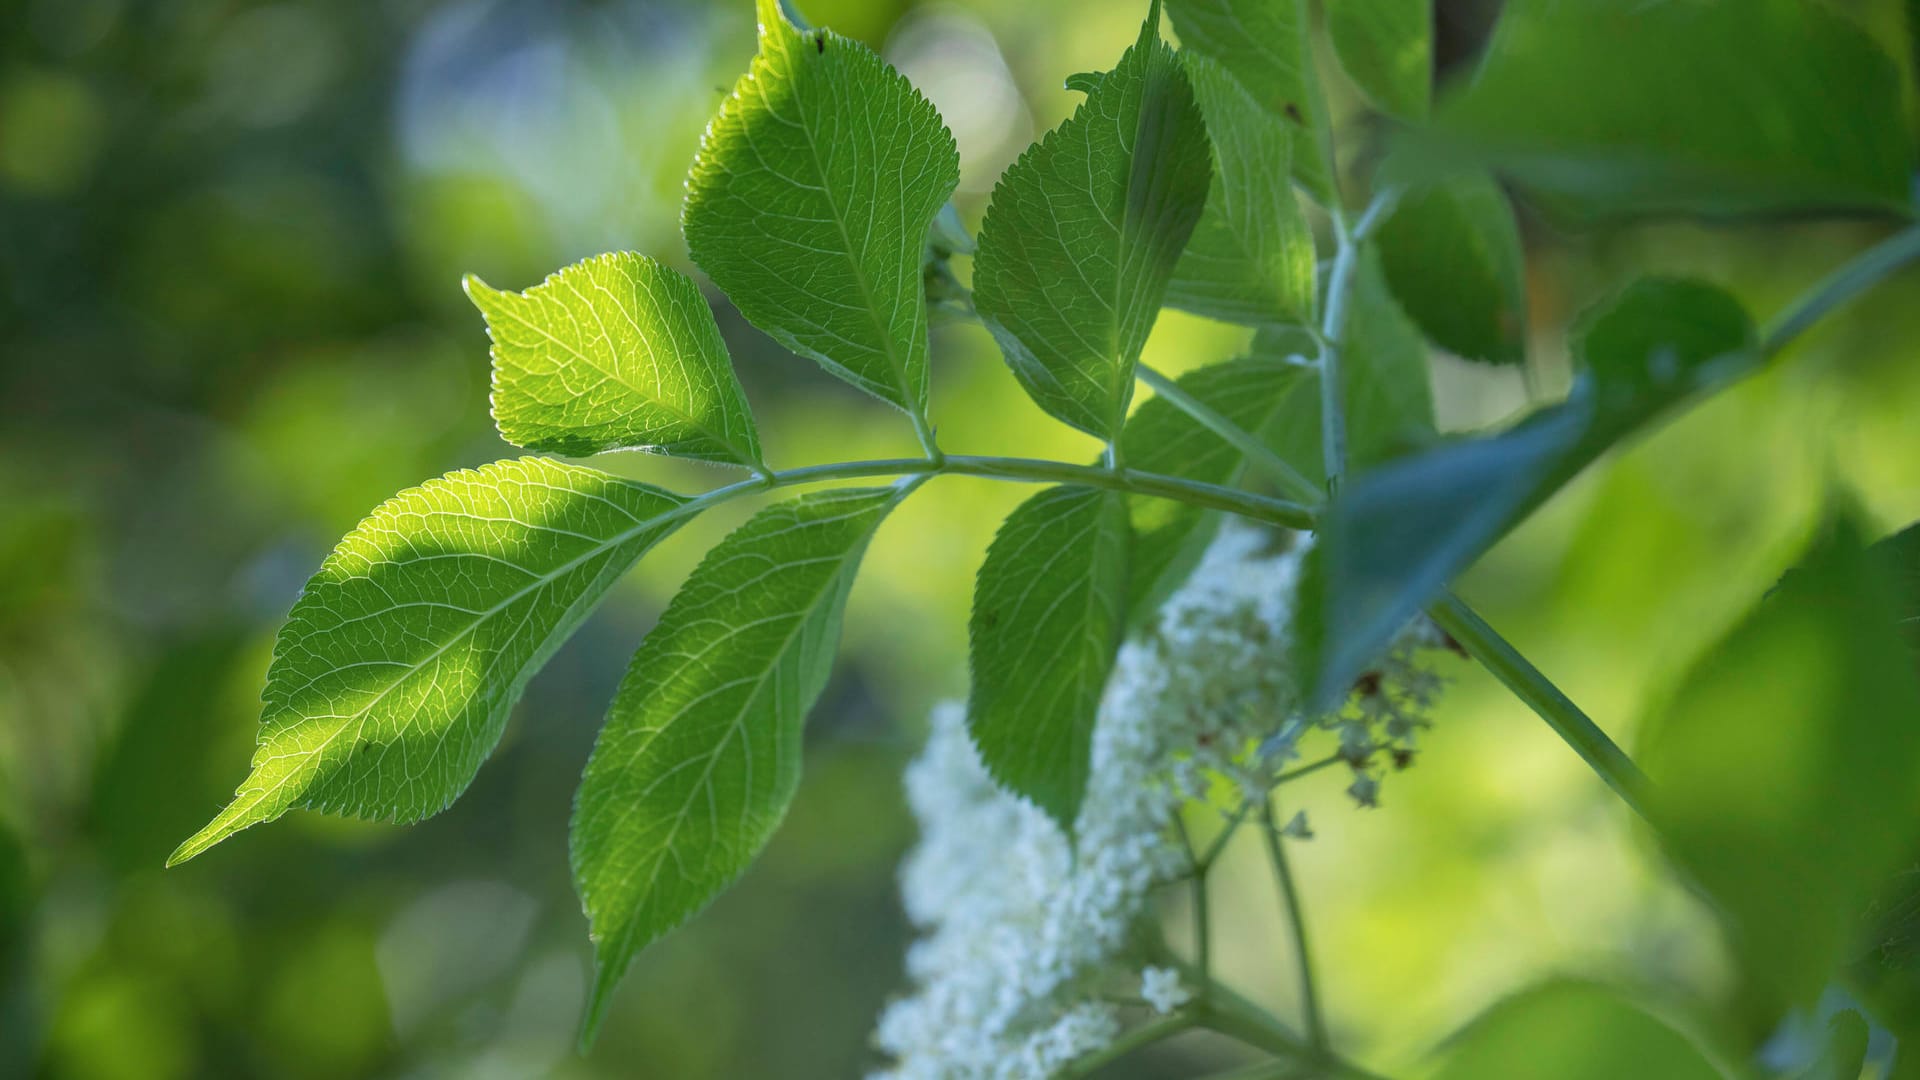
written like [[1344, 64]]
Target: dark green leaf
[[1786, 767], [810, 200], [700, 754], [1573, 1031], [1083, 232], [394, 675], [1048, 612], [1451, 252], [614, 353], [1160, 438], [1251, 257], [1393, 538], [1386, 47], [1715, 108], [1263, 44]]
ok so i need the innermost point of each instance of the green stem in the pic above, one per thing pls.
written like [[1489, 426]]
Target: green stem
[[1153, 1031], [1333, 400], [1283, 873], [1019, 470], [1257, 453], [1863, 272], [1212, 854], [1529, 685], [1308, 769]]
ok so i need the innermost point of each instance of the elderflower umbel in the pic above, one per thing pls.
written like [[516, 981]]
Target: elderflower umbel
[[1019, 929]]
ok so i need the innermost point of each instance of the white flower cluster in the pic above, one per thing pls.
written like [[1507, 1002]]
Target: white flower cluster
[[1019, 961]]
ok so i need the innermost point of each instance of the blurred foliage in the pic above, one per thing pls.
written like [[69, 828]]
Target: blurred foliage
[[230, 324]]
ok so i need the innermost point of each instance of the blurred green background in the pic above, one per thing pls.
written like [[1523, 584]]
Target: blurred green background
[[231, 236]]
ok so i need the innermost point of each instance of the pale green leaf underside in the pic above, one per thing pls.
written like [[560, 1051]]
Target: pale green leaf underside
[[614, 353], [1386, 48], [1049, 608], [809, 204], [398, 665], [701, 750], [1083, 232], [1251, 257], [1263, 44]]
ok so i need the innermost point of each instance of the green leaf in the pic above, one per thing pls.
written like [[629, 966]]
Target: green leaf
[[1845, 1052], [1251, 257], [1159, 438], [1451, 252], [1083, 232], [1393, 538], [1604, 108], [700, 754], [1049, 609], [396, 670], [1384, 362], [809, 204], [614, 353], [1263, 44], [1573, 1031], [1388, 391], [1386, 47], [1786, 768]]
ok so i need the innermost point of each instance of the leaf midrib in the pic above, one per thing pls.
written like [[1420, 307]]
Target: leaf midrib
[[242, 805]]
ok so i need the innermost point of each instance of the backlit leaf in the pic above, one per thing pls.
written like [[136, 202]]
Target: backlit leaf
[[809, 204], [1048, 612], [396, 670], [1263, 44], [700, 754], [1251, 257], [1083, 232], [614, 353]]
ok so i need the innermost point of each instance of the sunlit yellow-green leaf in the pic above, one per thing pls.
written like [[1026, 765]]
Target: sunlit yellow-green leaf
[[700, 754], [396, 670], [614, 353]]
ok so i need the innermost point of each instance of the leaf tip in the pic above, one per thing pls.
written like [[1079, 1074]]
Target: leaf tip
[[477, 290], [605, 978]]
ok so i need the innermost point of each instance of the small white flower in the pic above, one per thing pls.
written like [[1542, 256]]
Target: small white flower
[[1017, 927], [1160, 987]]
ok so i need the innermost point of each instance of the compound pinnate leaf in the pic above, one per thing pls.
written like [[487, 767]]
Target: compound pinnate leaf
[[1251, 257], [1168, 536], [809, 204], [1393, 537], [614, 353], [1451, 252], [1263, 44], [1049, 610], [1083, 232], [700, 754], [1386, 47], [1604, 109], [396, 670], [1786, 767]]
